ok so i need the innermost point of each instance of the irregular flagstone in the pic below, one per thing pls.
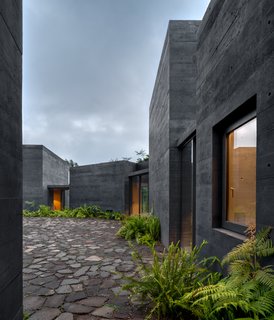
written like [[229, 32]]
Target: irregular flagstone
[[77, 287], [94, 258], [53, 284], [81, 271], [70, 281], [45, 314], [75, 296], [109, 268], [29, 276], [94, 301], [65, 271], [125, 267], [80, 274], [65, 316], [44, 292], [76, 265], [64, 289], [77, 308], [105, 312], [38, 281], [55, 301], [109, 283], [30, 289], [33, 302]]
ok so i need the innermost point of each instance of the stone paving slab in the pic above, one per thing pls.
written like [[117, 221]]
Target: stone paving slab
[[70, 270]]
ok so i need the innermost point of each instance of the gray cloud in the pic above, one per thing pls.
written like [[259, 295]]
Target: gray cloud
[[89, 71]]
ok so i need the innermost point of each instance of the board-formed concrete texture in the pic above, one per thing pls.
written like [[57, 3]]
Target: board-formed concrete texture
[[41, 168], [11, 159], [103, 184], [235, 68], [235, 61], [172, 118]]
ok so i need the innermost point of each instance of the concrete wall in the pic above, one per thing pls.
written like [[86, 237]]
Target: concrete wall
[[172, 119], [32, 174], [235, 62], [233, 74], [42, 167], [103, 184], [10, 159], [55, 172]]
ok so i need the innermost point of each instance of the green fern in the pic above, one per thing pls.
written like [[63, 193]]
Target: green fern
[[166, 284], [248, 290]]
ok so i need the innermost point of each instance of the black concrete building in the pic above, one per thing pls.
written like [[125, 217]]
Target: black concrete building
[[111, 185], [212, 126], [116, 186], [45, 178], [11, 159]]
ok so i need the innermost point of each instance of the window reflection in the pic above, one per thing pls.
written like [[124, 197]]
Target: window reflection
[[241, 174], [139, 202]]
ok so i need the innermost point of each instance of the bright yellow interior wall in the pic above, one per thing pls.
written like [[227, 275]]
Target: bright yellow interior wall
[[57, 201]]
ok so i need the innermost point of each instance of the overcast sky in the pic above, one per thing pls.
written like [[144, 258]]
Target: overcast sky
[[89, 68]]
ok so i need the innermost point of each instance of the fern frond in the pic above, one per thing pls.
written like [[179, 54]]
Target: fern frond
[[265, 276], [264, 305]]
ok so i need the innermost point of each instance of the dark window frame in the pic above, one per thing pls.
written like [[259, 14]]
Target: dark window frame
[[233, 126], [192, 138], [139, 176]]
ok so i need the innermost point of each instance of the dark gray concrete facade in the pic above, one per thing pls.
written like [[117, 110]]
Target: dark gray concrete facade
[[230, 74], [42, 168], [235, 60], [11, 159], [103, 184], [172, 119]]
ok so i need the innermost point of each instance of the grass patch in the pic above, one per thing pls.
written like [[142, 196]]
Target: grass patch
[[81, 212]]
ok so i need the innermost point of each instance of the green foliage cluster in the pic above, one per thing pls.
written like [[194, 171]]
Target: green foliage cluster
[[180, 285], [80, 212], [25, 316], [248, 290], [145, 229], [170, 277]]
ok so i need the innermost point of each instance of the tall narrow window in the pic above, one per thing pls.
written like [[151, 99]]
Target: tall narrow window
[[144, 193], [188, 193], [135, 195], [241, 174]]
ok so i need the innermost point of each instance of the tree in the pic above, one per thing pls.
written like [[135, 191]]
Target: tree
[[142, 156], [71, 163]]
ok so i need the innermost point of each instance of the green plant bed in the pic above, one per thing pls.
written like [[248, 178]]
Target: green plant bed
[[145, 229], [247, 293], [80, 212], [180, 285], [171, 276]]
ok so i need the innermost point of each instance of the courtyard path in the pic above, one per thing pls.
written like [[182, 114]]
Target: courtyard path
[[73, 270]]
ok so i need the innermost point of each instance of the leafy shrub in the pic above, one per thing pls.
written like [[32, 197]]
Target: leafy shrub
[[145, 229], [80, 212], [248, 290], [170, 278]]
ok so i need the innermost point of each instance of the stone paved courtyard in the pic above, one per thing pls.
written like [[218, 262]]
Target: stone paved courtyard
[[73, 269]]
